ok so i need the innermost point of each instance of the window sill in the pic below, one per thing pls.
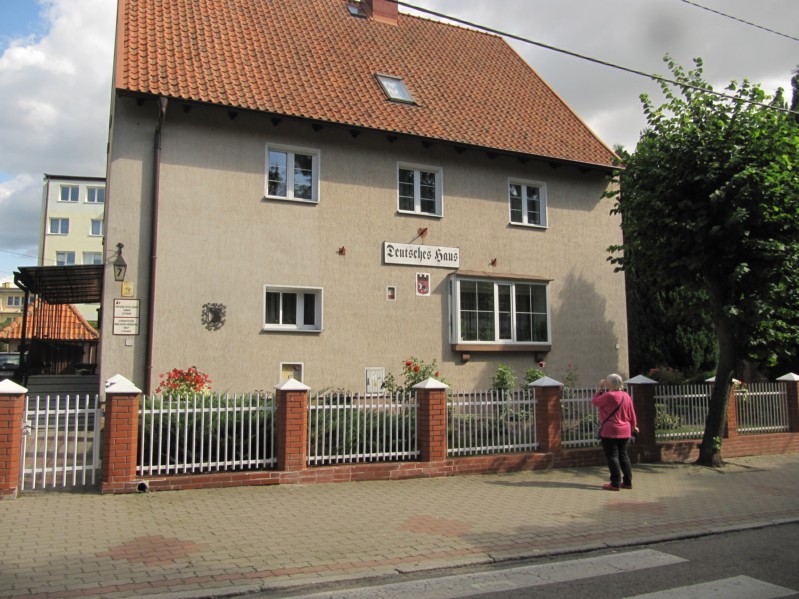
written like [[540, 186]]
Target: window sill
[[528, 226], [293, 200], [422, 214], [289, 330], [466, 349]]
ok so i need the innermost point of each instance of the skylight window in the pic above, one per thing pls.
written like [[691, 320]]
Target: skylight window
[[356, 10], [395, 89]]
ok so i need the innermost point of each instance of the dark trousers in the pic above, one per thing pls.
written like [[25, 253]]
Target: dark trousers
[[621, 471]]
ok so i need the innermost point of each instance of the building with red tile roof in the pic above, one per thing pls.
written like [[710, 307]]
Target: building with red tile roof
[[326, 187]]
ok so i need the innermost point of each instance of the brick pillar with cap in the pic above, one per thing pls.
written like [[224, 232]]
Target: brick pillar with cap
[[291, 434], [120, 435], [547, 414], [12, 408], [431, 397]]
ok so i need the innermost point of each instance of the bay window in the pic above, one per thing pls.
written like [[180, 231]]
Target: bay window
[[500, 312]]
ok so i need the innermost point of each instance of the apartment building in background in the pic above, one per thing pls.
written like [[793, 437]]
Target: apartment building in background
[[72, 232]]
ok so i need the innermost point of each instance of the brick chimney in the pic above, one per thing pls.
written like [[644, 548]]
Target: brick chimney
[[382, 11]]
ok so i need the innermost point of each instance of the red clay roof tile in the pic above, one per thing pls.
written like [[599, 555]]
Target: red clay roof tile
[[52, 321], [311, 59]]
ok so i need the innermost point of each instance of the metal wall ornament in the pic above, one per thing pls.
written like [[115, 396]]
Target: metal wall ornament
[[213, 317]]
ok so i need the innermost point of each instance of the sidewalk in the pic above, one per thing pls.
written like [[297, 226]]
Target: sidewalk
[[228, 541]]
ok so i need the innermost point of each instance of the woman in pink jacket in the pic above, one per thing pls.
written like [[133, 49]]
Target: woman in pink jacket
[[618, 424]]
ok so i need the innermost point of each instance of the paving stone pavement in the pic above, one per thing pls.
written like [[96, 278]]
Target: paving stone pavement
[[216, 542]]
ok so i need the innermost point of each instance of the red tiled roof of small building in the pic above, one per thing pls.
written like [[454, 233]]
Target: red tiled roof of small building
[[312, 59], [53, 321]]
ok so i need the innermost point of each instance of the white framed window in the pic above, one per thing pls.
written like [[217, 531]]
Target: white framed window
[[292, 308], [97, 227], [59, 226], [497, 311], [69, 193], [95, 195], [419, 189], [64, 258], [292, 173], [14, 301], [528, 203], [92, 257]]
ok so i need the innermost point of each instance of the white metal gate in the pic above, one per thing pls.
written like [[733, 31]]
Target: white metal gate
[[61, 442]]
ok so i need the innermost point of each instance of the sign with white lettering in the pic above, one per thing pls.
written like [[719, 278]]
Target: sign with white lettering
[[420, 255]]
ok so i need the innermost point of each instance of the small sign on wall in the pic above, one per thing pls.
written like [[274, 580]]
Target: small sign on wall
[[374, 379], [423, 284]]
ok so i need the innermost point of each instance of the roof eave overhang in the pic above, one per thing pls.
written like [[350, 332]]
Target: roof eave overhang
[[458, 146]]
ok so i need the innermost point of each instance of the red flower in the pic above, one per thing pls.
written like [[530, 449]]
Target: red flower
[[416, 368]]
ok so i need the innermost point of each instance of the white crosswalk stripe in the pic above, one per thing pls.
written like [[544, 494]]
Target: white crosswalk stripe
[[738, 587], [466, 585]]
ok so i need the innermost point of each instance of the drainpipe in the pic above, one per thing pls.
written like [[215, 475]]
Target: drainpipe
[[148, 365]]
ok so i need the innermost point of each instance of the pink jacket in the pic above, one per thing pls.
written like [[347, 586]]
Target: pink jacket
[[622, 423]]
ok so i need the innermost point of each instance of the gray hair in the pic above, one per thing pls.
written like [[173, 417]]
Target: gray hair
[[615, 382]]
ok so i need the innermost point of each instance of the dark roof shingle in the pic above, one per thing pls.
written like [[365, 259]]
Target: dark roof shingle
[[311, 59]]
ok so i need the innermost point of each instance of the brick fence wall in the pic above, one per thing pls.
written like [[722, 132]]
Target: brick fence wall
[[121, 429]]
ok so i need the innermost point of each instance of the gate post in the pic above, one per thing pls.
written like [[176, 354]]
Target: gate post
[[547, 414], [12, 407], [120, 435], [791, 381], [642, 390], [431, 397], [291, 442]]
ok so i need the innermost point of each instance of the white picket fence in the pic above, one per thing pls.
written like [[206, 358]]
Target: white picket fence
[[61, 442], [352, 428], [578, 418], [484, 422], [762, 408], [205, 433]]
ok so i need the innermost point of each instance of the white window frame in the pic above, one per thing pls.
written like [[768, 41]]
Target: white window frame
[[455, 312], [92, 190], [417, 200], [68, 258], [542, 197], [291, 152], [98, 257], [60, 228], [14, 301], [70, 200], [102, 228], [300, 292]]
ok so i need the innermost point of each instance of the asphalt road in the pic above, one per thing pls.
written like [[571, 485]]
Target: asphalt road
[[753, 564]]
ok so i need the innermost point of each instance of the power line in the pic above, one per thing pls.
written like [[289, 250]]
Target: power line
[[588, 58], [790, 37]]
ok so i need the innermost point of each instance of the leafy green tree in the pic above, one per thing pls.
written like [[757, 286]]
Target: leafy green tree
[[709, 203]]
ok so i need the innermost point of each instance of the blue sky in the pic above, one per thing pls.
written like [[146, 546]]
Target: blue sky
[[19, 18], [56, 65]]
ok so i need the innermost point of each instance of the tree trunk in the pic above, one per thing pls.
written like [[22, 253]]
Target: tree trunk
[[710, 449]]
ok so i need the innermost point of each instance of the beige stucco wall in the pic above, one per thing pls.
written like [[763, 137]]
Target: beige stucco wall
[[219, 241]]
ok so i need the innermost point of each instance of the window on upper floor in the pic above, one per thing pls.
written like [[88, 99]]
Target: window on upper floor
[[14, 301], [419, 190], [64, 258], [292, 174], [59, 226], [97, 228], [69, 193], [292, 308], [92, 257], [528, 203], [499, 311], [95, 195]]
